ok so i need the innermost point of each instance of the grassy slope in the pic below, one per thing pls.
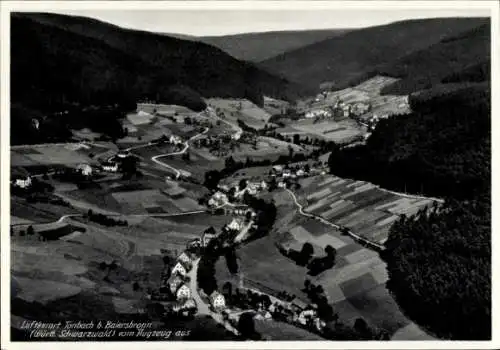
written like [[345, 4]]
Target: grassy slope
[[346, 57], [256, 47]]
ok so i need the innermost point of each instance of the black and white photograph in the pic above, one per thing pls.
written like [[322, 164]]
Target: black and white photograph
[[268, 172]]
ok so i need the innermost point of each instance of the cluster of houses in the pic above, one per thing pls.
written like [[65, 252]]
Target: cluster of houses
[[339, 109], [374, 120], [282, 174], [294, 312], [175, 286], [318, 113], [251, 188]]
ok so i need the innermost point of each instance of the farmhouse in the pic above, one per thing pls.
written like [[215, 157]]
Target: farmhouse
[[110, 166], [174, 139], [206, 238], [179, 269], [185, 306], [318, 113], [237, 135], [20, 178], [298, 304], [174, 283], [278, 169], [84, 169], [183, 292], [306, 315], [23, 182], [217, 199], [123, 154], [234, 225], [184, 259], [194, 243], [217, 301]]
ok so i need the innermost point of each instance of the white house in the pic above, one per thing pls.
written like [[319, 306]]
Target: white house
[[174, 139], [306, 315], [111, 167], [237, 135], [234, 225], [174, 283], [35, 123], [183, 292], [251, 189], [217, 199], [179, 269], [281, 184], [263, 185], [85, 169], [184, 305], [206, 238], [278, 168], [300, 172], [184, 259], [123, 154], [23, 182], [217, 301]]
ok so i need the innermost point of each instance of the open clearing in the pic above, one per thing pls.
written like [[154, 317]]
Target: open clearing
[[339, 131], [241, 109], [48, 154]]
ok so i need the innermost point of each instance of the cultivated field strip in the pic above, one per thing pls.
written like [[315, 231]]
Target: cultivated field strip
[[365, 209]]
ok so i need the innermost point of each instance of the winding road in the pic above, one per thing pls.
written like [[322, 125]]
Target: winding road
[[186, 147]]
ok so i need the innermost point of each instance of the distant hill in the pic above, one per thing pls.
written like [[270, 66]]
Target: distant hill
[[458, 59], [256, 47], [57, 57], [356, 55]]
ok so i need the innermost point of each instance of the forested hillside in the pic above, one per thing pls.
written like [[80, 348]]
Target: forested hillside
[[257, 47], [64, 63], [439, 261], [205, 69], [441, 149], [462, 58], [441, 274]]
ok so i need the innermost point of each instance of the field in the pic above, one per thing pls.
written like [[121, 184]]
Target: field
[[338, 131], [137, 197], [266, 148], [36, 212], [248, 112], [49, 154], [62, 278], [355, 286], [364, 208], [169, 110], [273, 106]]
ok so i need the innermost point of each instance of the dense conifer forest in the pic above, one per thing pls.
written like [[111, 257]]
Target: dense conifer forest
[[439, 261]]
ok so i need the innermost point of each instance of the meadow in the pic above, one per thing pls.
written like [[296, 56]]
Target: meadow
[[242, 109]]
